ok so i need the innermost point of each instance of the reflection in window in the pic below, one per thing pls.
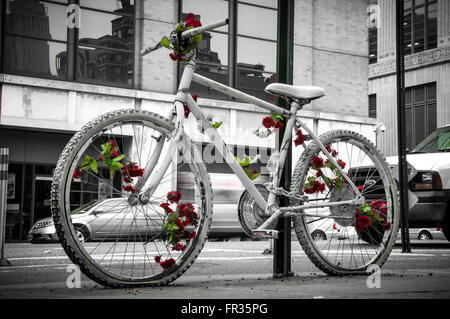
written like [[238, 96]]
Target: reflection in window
[[255, 49], [420, 25], [33, 37], [36, 41]]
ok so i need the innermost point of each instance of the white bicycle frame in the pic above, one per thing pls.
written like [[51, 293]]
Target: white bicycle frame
[[178, 137]]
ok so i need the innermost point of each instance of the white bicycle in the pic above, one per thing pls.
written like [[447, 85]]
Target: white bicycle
[[132, 200]]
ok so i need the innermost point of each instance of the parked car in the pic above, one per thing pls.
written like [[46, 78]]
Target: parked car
[[431, 184], [424, 234], [103, 219]]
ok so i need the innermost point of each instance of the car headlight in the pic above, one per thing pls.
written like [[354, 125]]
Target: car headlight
[[42, 224], [429, 180]]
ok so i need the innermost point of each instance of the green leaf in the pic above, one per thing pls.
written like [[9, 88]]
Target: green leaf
[[93, 166], [277, 117], [165, 42], [216, 125], [197, 38], [311, 179], [118, 158]]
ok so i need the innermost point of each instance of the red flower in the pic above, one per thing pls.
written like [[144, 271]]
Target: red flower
[[279, 124], [174, 197], [112, 143], [187, 111], [127, 180], [341, 163], [300, 138], [309, 190], [100, 156], [317, 162], [166, 207], [179, 247], [158, 259], [318, 186], [192, 22], [319, 173], [77, 173], [195, 97], [361, 188], [363, 221], [254, 172], [176, 57], [191, 235], [334, 226], [129, 188], [114, 154], [387, 226], [268, 122], [168, 263]]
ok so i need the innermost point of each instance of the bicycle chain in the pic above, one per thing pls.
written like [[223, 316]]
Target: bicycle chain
[[282, 192]]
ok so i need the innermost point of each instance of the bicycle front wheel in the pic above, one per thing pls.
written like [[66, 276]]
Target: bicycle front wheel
[[117, 239], [353, 237]]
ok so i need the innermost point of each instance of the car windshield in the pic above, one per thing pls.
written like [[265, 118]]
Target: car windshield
[[438, 141]]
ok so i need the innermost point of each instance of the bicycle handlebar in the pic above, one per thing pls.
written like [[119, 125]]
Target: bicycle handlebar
[[204, 28], [188, 33]]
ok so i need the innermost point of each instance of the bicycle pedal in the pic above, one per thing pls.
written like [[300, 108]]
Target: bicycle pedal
[[265, 233]]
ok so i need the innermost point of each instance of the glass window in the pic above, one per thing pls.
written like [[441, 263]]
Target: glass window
[[257, 22], [36, 41], [420, 25], [421, 117], [373, 105], [108, 5], [31, 57]]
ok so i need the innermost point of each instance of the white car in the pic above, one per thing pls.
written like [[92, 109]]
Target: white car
[[431, 184]]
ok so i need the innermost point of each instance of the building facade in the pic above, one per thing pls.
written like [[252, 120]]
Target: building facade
[[427, 64], [65, 62]]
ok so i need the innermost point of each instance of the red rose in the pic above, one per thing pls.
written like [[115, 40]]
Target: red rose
[[195, 97], [341, 163], [166, 207], [100, 157], [254, 172], [319, 173], [77, 173], [268, 122], [174, 197], [309, 190], [158, 259], [127, 180], [192, 22], [187, 111], [114, 154], [279, 124], [129, 188], [112, 143], [387, 226], [168, 263], [318, 186], [363, 221], [299, 140], [317, 162]]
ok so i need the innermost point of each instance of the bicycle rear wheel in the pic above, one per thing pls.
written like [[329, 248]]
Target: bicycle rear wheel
[[117, 240], [355, 236]]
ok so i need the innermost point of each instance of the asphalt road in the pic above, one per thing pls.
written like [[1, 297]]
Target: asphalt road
[[235, 269]]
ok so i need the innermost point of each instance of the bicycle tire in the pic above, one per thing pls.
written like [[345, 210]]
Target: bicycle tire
[[319, 251], [62, 215]]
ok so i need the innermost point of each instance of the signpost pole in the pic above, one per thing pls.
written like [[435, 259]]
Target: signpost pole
[[401, 122], [4, 155]]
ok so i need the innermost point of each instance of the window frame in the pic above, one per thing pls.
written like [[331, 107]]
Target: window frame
[[427, 103], [72, 45], [233, 35], [426, 27]]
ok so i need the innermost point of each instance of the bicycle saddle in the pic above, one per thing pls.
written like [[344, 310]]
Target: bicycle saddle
[[298, 92]]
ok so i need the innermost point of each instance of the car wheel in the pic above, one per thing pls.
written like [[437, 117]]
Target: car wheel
[[318, 235], [425, 235], [82, 233]]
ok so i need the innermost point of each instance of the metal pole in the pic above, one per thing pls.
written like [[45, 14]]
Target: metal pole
[[401, 125], [4, 155], [282, 245]]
